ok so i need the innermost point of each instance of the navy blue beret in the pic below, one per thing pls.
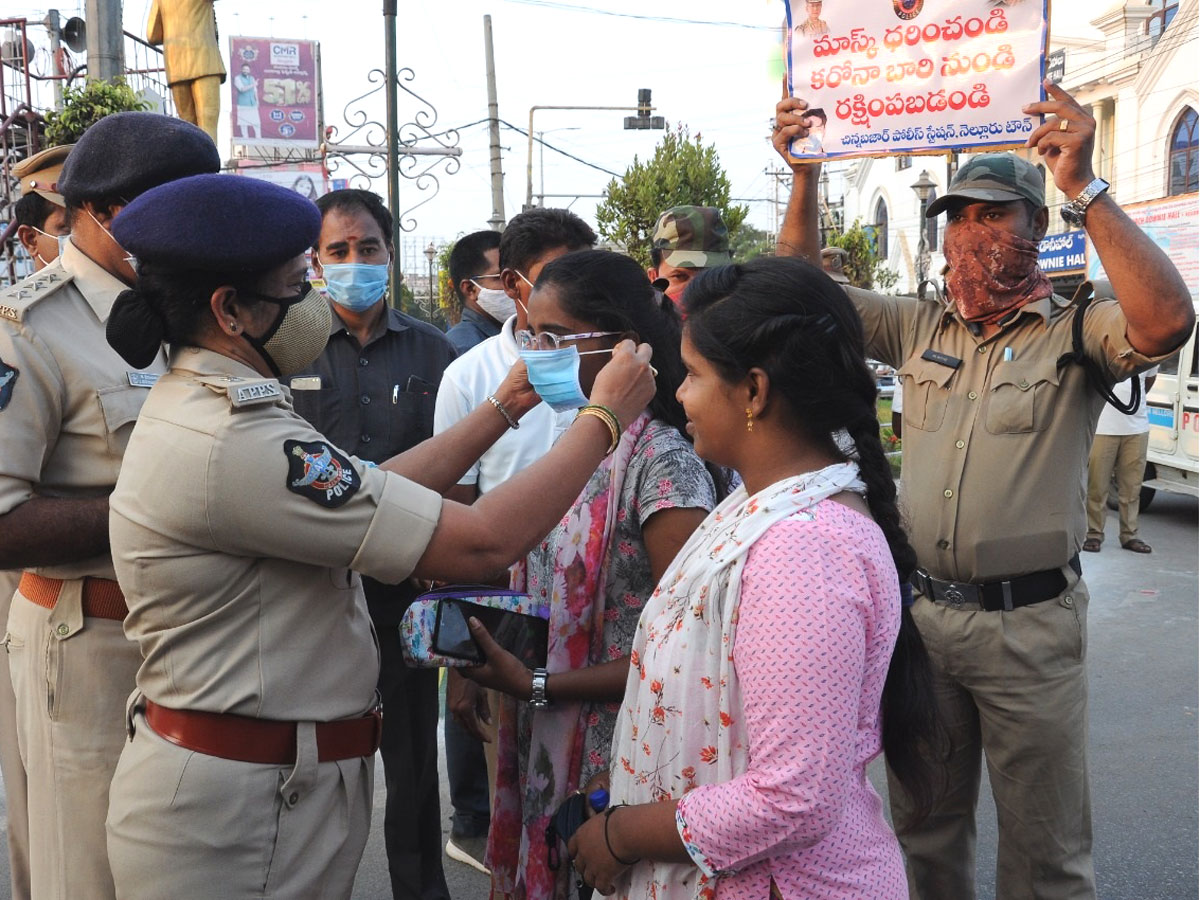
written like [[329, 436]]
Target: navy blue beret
[[127, 153], [219, 223]]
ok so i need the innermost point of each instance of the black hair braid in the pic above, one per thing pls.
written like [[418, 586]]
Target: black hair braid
[[908, 714]]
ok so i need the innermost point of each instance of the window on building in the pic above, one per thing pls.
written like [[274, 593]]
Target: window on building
[[1164, 12], [881, 229], [931, 225], [1183, 158], [903, 162]]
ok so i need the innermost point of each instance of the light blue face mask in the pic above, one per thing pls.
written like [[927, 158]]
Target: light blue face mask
[[355, 286], [554, 374]]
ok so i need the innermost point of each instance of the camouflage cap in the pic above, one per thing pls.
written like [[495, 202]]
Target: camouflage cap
[[692, 237], [995, 177], [833, 261], [39, 173]]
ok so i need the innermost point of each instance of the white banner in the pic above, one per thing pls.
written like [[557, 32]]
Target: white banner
[[913, 76]]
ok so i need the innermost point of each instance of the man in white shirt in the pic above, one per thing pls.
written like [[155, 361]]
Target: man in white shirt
[[1120, 448], [530, 241]]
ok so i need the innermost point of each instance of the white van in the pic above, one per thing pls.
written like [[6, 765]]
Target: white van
[[1173, 460]]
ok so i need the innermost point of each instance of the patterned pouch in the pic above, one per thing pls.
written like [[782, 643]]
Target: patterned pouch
[[417, 625]]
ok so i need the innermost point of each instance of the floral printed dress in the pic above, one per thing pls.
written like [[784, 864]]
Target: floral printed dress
[[594, 571]]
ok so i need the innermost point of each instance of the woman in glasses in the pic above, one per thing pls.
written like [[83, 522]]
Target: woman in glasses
[[597, 567]]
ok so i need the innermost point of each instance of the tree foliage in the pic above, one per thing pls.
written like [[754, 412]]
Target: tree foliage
[[862, 265], [751, 242], [86, 104], [681, 172]]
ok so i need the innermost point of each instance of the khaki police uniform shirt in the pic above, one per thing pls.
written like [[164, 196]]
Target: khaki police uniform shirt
[[995, 450], [234, 528], [67, 412]]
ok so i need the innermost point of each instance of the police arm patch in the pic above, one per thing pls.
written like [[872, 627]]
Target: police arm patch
[[8, 380], [320, 473]]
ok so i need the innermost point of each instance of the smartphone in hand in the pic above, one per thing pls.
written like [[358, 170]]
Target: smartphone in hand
[[524, 636]]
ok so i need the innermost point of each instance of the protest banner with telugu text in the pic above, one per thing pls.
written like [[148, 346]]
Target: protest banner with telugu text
[[915, 76]]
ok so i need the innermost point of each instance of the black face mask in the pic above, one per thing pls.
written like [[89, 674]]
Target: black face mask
[[298, 334]]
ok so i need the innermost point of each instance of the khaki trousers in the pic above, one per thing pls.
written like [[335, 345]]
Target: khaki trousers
[[190, 826], [199, 102], [11, 768], [71, 689], [1124, 454], [1012, 688]]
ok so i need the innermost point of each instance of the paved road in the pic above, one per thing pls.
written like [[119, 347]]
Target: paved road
[[1143, 664]]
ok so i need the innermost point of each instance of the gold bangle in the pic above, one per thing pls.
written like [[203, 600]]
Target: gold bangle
[[610, 419], [603, 417]]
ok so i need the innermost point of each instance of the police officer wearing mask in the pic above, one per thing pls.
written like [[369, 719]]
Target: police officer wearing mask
[[41, 213], [41, 217], [239, 532], [997, 427], [68, 403], [371, 392]]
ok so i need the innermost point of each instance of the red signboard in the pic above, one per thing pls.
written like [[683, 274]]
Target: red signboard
[[276, 87]]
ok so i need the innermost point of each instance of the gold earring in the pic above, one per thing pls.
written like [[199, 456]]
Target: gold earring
[[749, 419]]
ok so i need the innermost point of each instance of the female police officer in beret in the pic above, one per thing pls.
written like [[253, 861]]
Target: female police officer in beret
[[237, 533]]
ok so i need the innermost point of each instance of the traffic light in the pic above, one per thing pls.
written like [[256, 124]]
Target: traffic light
[[643, 120]]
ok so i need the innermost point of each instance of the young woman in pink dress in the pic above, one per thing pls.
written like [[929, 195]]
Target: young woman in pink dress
[[775, 659]]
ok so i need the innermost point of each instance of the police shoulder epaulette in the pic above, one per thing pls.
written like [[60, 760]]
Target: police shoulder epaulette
[[19, 298], [244, 391]]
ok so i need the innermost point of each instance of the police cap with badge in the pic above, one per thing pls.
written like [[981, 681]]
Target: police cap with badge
[[40, 173]]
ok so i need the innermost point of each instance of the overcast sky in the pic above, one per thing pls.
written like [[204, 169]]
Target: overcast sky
[[720, 78]]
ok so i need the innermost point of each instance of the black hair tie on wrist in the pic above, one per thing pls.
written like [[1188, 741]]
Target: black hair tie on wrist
[[608, 843]]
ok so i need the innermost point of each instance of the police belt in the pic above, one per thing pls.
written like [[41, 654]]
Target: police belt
[[993, 596], [265, 741], [102, 597]]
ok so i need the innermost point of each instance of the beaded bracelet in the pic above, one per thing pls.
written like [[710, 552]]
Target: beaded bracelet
[[610, 421], [608, 843], [512, 423]]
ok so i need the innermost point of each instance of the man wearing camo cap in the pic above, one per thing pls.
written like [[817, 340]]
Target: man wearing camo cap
[[687, 239]]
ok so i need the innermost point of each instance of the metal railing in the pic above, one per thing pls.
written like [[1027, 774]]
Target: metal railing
[[32, 76]]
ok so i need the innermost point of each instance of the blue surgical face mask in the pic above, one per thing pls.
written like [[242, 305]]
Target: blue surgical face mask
[[554, 374], [355, 286]]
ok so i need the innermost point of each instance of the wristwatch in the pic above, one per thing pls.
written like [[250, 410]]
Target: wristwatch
[[1074, 211], [538, 698]]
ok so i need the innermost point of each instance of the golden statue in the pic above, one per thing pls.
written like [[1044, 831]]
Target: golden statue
[[187, 32]]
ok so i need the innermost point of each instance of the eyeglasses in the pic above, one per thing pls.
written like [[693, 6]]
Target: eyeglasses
[[474, 279], [545, 340]]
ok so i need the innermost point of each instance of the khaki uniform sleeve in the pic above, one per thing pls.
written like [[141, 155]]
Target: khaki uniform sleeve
[[887, 322], [32, 416], [277, 489], [1104, 341]]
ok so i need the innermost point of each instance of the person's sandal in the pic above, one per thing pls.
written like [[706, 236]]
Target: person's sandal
[[1137, 546], [1092, 545]]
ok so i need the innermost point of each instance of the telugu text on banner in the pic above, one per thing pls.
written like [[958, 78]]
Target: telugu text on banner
[[912, 76]]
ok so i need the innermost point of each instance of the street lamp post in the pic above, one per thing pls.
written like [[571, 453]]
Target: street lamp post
[[430, 253], [923, 188], [643, 120]]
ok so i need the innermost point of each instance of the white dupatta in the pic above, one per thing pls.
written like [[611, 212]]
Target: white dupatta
[[681, 723]]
